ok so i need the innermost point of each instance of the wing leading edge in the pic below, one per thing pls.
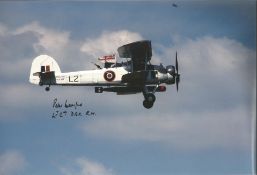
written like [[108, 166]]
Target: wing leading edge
[[140, 53]]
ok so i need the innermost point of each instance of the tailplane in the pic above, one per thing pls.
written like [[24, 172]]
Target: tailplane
[[43, 70]]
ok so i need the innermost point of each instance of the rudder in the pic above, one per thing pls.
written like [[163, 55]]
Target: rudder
[[43, 68]]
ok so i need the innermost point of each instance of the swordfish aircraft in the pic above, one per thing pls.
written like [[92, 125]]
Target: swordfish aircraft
[[135, 75]]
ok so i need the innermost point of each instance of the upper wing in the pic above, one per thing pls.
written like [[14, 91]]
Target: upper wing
[[140, 52]]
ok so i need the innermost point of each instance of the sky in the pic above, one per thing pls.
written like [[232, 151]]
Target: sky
[[205, 128]]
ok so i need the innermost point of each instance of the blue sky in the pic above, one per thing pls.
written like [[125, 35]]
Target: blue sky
[[206, 128]]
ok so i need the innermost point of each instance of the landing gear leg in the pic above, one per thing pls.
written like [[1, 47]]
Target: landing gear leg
[[149, 97]]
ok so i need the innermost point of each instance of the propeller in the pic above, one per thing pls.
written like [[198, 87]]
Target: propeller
[[177, 62], [173, 71], [177, 75]]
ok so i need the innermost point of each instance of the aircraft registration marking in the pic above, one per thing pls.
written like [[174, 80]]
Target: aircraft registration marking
[[74, 78]]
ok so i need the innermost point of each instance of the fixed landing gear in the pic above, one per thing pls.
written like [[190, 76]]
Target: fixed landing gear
[[47, 88], [149, 100], [147, 104]]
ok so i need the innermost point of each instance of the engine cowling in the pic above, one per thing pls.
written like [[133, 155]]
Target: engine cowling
[[170, 69], [170, 80]]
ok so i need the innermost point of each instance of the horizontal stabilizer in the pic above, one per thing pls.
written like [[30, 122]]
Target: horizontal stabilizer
[[47, 78]]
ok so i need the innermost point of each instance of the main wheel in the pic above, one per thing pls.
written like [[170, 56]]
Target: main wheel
[[150, 97], [147, 104]]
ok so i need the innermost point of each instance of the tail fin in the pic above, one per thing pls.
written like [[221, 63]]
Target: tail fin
[[42, 65]]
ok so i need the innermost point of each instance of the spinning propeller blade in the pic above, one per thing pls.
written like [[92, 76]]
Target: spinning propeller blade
[[177, 62], [177, 75]]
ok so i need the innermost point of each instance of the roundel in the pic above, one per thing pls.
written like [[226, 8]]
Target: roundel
[[109, 75]]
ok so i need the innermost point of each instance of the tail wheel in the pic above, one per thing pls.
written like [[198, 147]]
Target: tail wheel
[[47, 88]]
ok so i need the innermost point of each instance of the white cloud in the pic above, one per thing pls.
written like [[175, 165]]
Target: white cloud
[[24, 43], [23, 100], [85, 166], [17, 53], [11, 162], [15, 91], [217, 79], [9, 71], [216, 73], [3, 29], [49, 40], [108, 42], [217, 55], [211, 110], [184, 131]]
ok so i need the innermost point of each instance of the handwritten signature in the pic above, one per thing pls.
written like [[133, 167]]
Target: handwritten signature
[[68, 109]]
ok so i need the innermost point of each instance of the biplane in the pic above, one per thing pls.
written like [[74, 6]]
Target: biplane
[[135, 75]]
